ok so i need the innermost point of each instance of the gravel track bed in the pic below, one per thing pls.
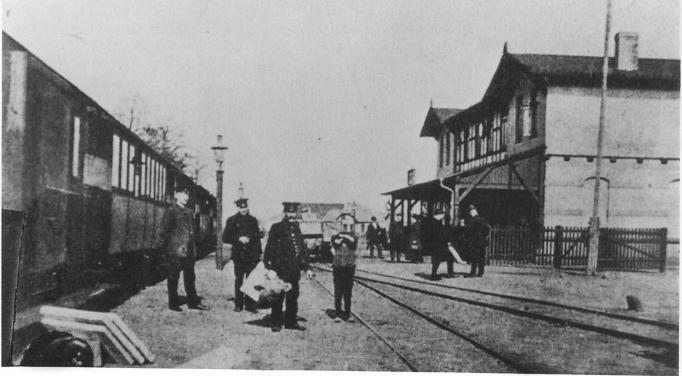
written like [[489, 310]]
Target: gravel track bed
[[554, 349], [428, 347]]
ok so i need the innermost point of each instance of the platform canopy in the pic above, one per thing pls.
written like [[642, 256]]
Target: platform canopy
[[427, 191]]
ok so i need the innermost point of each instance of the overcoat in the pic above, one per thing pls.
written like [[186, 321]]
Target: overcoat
[[176, 235], [373, 234], [243, 225], [285, 252], [434, 238], [477, 234]]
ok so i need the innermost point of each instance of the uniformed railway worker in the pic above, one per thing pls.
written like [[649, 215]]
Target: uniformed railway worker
[[286, 254], [435, 237], [243, 234], [478, 230], [177, 241], [397, 235]]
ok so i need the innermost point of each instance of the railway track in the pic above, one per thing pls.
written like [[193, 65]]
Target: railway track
[[547, 330], [509, 363], [643, 331]]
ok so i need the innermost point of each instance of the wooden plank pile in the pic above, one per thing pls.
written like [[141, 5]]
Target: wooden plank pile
[[102, 330]]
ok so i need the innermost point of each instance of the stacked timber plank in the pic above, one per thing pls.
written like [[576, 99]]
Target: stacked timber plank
[[104, 328]]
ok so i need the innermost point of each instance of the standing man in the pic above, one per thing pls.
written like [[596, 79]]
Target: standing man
[[285, 253], [397, 237], [434, 237], [177, 241], [478, 231], [243, 234], [373, 236]]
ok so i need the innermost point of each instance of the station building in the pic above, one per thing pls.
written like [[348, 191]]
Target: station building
[[525, 154]]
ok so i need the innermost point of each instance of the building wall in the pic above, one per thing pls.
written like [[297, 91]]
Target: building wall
[[633, 193]]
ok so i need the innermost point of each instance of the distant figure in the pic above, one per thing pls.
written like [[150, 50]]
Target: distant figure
[[286, 254], [243, 234], [397, 237], [414, 240], [435, 236], [343, 249], [373, 236], [478, 231], [177, 240]]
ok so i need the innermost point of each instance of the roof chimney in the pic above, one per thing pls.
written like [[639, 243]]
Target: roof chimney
[[626, 51]]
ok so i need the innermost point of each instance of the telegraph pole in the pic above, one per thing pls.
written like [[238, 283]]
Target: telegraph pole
[[593, 250]]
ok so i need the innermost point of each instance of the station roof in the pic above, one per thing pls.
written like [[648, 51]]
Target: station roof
[[427, 191], [435, 118]]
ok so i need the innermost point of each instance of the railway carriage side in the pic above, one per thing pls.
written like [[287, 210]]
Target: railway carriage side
[[91, 192]]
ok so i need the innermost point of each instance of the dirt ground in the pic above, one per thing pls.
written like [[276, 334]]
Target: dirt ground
[[222, 338]]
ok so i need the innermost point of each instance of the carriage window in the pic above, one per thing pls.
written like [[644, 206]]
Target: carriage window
[[162, 183], [131, 168], [155, 181], [116, 161], [143, 175], [75, 158], [124, 165]]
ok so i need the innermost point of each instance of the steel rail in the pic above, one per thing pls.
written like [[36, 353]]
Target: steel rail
[[402, 357], [537, 316], [661, 324], [442, 325]]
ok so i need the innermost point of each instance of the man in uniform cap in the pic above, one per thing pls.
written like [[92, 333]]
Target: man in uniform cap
[[478, 231], [243, 234], [286, 254]]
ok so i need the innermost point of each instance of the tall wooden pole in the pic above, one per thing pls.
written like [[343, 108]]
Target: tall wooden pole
[[593, 250]]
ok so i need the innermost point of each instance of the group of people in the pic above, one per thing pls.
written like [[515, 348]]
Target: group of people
[[285, 254], [468, 239], [466, 242]]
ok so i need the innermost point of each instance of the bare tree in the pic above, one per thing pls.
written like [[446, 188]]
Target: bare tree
[[164, 139]]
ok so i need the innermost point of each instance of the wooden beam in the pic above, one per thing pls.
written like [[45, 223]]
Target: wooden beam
[[476, 182], [523, 183]]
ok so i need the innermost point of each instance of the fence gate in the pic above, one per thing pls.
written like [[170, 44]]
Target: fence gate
[[632, 249], [567, 247]]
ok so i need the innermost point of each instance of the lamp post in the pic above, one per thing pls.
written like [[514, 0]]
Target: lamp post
[[219, 153]]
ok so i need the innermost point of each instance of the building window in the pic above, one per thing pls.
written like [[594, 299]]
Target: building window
[[441, 146], [471, 144], [447, 148], [116, 162], [75, 147], [519, 119], [534, 113]]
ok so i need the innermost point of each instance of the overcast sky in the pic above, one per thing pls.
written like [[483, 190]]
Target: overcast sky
[[317, 100]]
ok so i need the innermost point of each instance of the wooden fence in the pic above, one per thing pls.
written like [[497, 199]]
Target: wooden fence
[[567, 247]]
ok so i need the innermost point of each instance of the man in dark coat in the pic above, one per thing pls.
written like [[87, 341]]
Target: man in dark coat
[[177, 240], [435, 237], [243, 234], [286, 254], [373, 236], [460, 242], [477, 233], [398, 237]]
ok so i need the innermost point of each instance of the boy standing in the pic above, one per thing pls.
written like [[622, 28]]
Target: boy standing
[[343, 249]]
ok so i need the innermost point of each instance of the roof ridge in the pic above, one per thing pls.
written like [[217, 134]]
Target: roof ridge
[[587, 56]]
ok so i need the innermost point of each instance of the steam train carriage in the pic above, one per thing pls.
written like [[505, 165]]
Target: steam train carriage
[[90, 192]]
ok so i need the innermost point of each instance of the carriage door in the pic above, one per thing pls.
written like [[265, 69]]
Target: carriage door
[[97, 162]]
